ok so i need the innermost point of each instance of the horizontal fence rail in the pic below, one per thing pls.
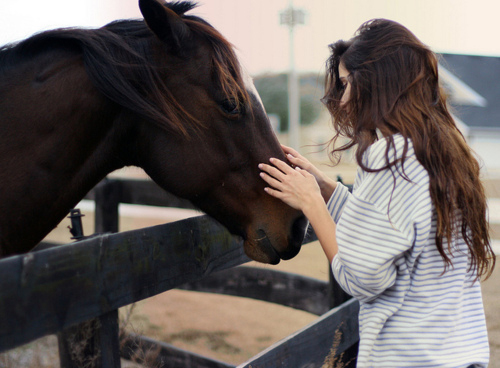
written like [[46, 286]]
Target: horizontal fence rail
[[44, 292], [287, 289], [311, 346]]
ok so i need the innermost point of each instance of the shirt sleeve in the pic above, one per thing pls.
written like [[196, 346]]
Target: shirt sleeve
[[383, 224], [337, 201], [370, 247]]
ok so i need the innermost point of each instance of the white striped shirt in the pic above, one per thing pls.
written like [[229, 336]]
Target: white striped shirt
[[412, 315]]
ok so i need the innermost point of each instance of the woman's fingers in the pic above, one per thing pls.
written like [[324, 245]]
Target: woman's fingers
[[279, 170], [296, 161], [273, 182], [293, 186], [289, 150], [283, 166], [275, 193], [272, 171], [291, 154], [276, 176]]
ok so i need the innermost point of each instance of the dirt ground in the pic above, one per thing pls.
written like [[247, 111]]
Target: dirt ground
[[227, 328]]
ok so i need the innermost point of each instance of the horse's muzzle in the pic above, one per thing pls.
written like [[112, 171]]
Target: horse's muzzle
[[265, 246], [295, 239]]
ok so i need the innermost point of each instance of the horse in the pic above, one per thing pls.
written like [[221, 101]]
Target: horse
[[165, 93]]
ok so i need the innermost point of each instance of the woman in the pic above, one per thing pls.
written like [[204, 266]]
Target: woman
[[411, 241]]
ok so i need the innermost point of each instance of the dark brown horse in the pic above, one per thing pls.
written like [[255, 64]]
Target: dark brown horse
[[166, 94]]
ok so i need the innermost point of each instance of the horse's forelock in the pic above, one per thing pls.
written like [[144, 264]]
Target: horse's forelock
[[227, 73], [227, 70]]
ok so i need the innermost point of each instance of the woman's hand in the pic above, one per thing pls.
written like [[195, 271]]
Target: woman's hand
[[326, 185], [296, 187], [299, 189]]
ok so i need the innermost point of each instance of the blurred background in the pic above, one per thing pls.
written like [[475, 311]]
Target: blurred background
[[452, 26]]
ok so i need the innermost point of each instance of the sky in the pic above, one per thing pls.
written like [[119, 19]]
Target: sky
[[253, 26]]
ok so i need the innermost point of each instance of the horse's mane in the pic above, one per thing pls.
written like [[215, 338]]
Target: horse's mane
[[117, 58]]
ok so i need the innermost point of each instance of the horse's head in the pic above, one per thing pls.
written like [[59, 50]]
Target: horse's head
[[216, 133]]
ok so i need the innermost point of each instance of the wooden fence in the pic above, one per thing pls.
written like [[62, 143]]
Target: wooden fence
[[67, 288]]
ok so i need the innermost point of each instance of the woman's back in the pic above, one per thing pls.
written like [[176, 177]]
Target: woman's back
[[388, 259]]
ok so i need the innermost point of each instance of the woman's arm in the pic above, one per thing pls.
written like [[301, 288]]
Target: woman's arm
[[325, 230]]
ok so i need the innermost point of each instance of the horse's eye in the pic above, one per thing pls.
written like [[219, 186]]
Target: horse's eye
[[230, 107]]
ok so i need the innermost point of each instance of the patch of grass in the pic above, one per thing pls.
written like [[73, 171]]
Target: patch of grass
[[214, 340], [146, 357], [264, 338]]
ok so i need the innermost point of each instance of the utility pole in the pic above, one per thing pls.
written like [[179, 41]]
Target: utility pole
[[292, 17]]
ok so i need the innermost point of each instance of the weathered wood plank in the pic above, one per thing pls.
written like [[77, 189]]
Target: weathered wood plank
[[310, 346], [47, 291], [142, 349], [288, 289], [142, 192]]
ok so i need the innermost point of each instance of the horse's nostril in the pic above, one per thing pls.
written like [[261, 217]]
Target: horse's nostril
[[297, 234], [299, 228]]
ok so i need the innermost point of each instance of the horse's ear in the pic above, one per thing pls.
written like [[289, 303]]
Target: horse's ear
[[165, 23]]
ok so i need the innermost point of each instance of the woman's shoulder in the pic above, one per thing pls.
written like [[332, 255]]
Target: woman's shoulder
[[391, 148], [402, 189], [405, 173]]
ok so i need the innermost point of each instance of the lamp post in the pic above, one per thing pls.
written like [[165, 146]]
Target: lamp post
[[292, 17]]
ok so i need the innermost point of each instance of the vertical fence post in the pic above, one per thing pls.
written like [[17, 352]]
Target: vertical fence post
[[107, 200], [95, 343]]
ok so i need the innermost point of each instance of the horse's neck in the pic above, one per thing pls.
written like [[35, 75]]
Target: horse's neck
[[45, 191], [51, 155]]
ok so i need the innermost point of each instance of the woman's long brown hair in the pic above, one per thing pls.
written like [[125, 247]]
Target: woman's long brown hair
[[395, 89]]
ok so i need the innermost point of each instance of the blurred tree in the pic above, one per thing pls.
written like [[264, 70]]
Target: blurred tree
[[273, 90]]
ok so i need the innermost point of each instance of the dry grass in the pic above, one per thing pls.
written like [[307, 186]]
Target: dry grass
[[80, 344], [146, 357], [333, 360]]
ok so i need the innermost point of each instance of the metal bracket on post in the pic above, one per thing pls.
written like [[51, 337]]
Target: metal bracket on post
[[76, 228]]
